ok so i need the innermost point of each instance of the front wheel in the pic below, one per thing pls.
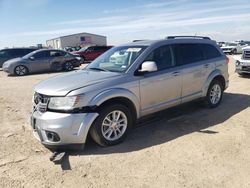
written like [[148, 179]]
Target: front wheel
[[214, 94], [68, 66], [20, 70], [112, 125]]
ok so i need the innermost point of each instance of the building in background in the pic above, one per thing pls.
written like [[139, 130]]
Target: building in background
[[79, 39]]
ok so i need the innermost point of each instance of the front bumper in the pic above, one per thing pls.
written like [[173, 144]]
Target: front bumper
[[6, 69], [72, 129], [242, 66], [227, 50]]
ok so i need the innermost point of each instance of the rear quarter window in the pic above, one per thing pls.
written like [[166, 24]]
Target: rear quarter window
[[210, 51]]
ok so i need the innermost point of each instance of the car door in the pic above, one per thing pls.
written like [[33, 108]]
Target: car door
[[190, 58], [40, 61], [100, 50], [160, 89], [89, 54], [57, 60]]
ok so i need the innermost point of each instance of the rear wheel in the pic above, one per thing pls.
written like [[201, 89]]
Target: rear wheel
[[214, 94], [20, 70], [68, 66], [112, 125]]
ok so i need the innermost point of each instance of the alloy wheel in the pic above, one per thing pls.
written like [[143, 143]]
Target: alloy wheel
[[215, 94], [20, 70], [114, 125], [68, 66]]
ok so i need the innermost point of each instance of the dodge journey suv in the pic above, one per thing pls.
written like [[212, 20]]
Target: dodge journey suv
[[105, 99]]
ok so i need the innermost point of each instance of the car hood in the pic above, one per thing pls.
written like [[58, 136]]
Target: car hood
[[77, 52], [11, 61], [246, 48], [225, 47], [63, 84]]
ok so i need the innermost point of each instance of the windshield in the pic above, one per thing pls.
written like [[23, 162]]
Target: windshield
[[29, 55], [117, 59], [83, 49]]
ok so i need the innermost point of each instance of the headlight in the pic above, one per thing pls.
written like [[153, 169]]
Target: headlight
[[65, 103]]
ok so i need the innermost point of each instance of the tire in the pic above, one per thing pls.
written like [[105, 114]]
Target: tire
[[234, 51], [214, 94], [68, 66], [104, 130], [21, 70], [83, 59]]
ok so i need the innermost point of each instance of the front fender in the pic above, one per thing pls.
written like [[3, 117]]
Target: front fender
[[113, 93], [212, 75]]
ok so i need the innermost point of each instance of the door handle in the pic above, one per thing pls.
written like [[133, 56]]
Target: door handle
[[177, 73]]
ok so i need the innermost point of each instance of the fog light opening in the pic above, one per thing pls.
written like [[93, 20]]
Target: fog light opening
[[53, 137]]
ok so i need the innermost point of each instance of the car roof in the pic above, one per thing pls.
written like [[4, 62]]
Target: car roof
[[20, 48], [163, 41], [41, 50]]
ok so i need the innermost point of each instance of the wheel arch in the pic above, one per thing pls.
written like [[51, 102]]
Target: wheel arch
[[217, 74], [118, 95]]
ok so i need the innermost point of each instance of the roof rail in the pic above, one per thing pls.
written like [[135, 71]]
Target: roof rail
[[195, 37], [139, 40]]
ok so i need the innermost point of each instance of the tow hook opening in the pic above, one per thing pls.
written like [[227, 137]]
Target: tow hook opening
[[53, 137]]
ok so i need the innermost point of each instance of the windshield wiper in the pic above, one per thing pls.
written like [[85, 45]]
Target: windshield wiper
[[96, 68]]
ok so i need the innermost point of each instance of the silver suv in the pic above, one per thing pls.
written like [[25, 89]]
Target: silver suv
[[124, 84]]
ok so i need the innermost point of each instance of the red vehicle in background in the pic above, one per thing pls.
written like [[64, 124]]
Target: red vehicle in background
[[92, 52]]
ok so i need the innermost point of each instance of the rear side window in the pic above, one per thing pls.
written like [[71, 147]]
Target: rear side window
[[4, 54], [19, 52], [27, 51], [162, 56], [188, 53], [15, 53], [210, 51]]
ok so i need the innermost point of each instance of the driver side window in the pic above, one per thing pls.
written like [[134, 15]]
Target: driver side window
[[163, 57], [40, 55]]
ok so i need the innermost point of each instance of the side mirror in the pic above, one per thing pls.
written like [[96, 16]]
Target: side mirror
[[148, 66], [32, 58]]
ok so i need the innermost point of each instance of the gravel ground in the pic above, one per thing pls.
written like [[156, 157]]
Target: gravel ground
[[188, 146]]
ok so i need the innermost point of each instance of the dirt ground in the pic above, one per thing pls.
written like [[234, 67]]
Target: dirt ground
[[188, 146]]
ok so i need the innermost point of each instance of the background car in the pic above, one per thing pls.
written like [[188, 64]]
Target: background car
[[233, 47], [72, 49], [92, 52], [11, 53], [42, 60], [242, 64]]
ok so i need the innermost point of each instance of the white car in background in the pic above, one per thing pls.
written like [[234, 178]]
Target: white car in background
[[243, 62], [233, 47]]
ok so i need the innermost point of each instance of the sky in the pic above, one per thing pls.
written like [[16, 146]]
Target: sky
[[31, 22]]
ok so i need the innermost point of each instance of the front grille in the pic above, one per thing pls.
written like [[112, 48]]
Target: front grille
[[40, 102], [246, 55], [244, 68]]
